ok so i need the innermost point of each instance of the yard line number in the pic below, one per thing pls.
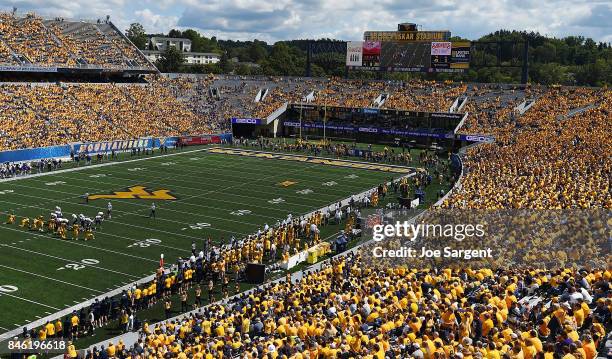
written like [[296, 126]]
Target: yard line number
[[146, 243], [78, 266], [7, 288]]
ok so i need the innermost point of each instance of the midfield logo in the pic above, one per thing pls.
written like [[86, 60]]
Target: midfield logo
[[287, 183], [136, 192]]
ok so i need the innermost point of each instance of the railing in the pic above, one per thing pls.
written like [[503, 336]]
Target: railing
[[56, 66], [457, 184], [524, 106], [274, 115], [465, 116]]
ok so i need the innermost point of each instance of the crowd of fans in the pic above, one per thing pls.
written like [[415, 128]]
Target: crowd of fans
[[489, 108], [353, 93], [31, 39], [284, 91], [429, 96], [220, 98], [543, 159], [197, 94], [349, 310], [54, 114]]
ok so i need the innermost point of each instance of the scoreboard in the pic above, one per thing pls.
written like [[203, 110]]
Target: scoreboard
[[408, 56]]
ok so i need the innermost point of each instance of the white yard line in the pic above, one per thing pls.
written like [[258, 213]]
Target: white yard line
[[69, 260], [155, 181], [52, 200], [52, 279], [145, 207], [97, 166], [46, 237], [240, 171], [28, 300], [244, 184], [100, 234]]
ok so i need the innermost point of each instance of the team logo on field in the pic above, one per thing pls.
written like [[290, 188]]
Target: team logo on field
[[287, 183], [136, 192]]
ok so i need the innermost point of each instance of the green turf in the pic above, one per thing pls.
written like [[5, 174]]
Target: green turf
[[209, 187]]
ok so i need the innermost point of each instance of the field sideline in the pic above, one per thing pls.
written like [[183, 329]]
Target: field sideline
[[217, 196]]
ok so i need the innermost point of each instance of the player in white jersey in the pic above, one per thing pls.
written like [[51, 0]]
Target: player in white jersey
[[98, 220]]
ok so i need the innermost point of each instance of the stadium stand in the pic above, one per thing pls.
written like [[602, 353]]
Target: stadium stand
[[553, 156], [290, 91], [31, 40], [347, 310], [50, 114], [29, 37], [425, 96], [209, 103], [542, 159]]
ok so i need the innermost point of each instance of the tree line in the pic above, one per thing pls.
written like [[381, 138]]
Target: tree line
[[572, 60]]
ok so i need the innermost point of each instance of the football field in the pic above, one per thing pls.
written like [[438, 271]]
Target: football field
[[198, 194]]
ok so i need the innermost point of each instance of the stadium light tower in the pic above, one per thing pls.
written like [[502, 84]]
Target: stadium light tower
[[324, 119], [301, 108]]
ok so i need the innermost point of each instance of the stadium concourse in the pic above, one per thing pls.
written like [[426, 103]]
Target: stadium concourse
[[552, 155]]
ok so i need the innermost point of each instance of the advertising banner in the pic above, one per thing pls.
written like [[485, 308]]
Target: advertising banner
[[246, 121], [380, 130], [354, 53], [27, 68], [441, 48], [200, 140], [109, 146], [476, 138], [407, 35], [30, 154], [371, 53], [446, 116], [167, 141], [460, 55]]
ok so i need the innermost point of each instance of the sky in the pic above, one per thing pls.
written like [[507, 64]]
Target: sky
[[339, 19]]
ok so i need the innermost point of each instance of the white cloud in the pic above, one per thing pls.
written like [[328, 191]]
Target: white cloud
[[346, 20], [155, 23]]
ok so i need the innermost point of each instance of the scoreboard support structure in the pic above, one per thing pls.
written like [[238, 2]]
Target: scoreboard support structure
[[410, 50]]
